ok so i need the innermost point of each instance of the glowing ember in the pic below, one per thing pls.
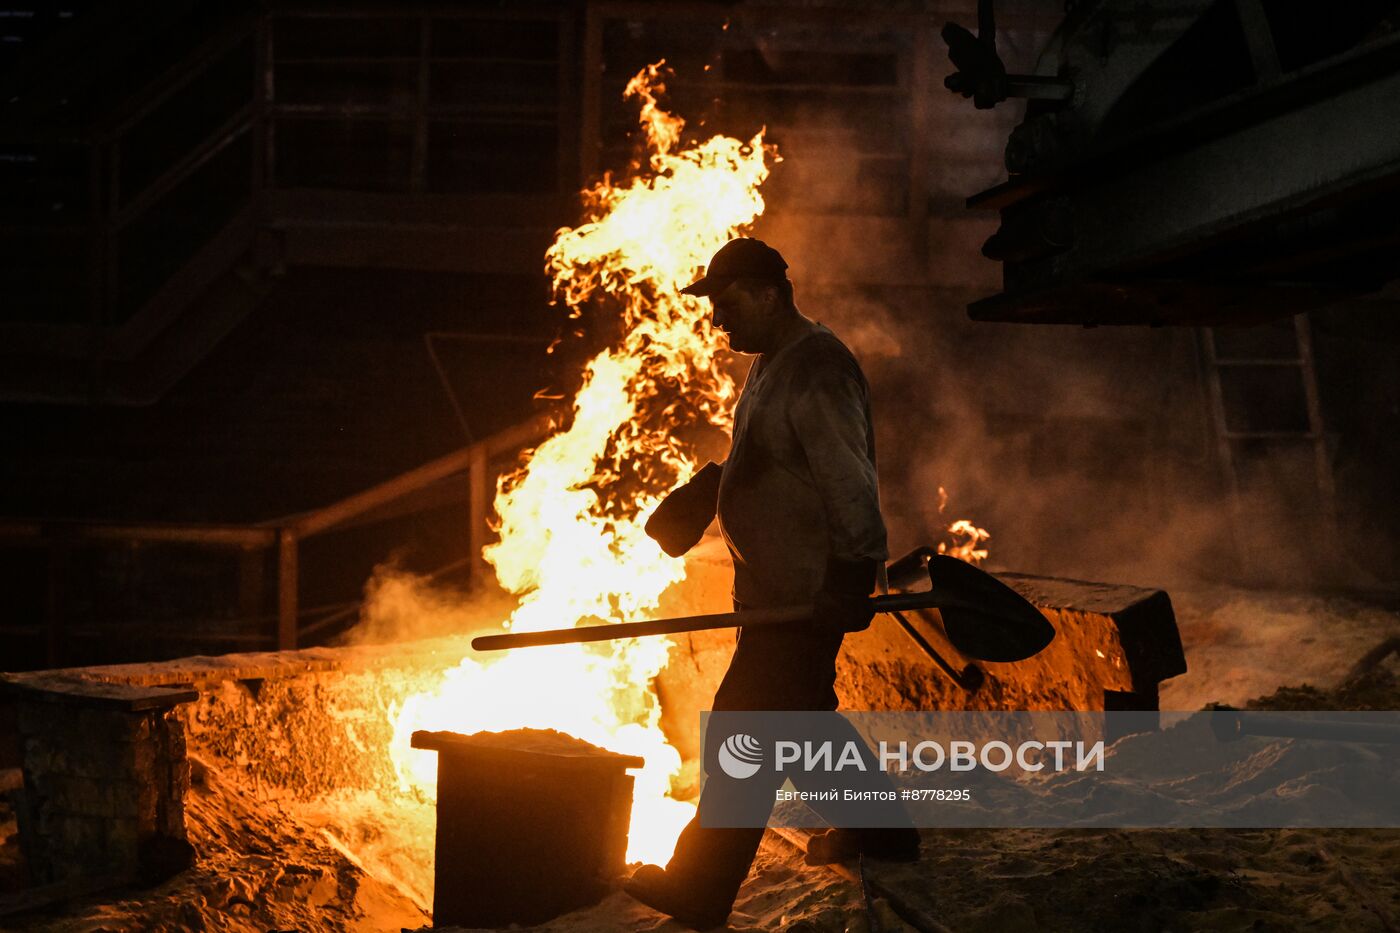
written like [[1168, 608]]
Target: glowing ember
[[966, 536], [571, 519]]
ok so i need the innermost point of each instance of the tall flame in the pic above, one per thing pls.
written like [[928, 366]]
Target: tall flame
[[570, 520]]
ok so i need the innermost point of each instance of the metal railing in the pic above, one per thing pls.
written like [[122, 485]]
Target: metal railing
[[253, 541]]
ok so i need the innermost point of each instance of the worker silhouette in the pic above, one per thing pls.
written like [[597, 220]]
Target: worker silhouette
[[799, 507]]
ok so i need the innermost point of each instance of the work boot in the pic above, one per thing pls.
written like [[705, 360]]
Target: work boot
[[651, 885], [842, 845]]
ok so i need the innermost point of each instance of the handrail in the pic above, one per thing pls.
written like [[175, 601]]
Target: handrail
[[475, 458], [218, 139], [63, 530], [285, 533], [302, 524], [316, 521], [171, 81]]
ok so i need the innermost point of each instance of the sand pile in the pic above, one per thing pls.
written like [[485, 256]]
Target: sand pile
[[1244, 643], [1372, 684], [780, 894], [268, 864], [1072, 880]]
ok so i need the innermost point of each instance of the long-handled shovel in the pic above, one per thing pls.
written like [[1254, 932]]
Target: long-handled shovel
[[983, 618], [904, 572]]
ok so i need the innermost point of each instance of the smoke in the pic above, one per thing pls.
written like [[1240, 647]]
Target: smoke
[[403, 606], [1082, 453], [1085, 453]]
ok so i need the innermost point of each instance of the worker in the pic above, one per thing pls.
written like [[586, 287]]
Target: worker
[[799, 508]]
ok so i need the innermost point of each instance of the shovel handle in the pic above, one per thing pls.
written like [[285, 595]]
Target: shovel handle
[[747, 617], [608, 632]]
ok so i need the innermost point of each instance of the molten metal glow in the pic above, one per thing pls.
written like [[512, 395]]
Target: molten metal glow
[[571, 541]]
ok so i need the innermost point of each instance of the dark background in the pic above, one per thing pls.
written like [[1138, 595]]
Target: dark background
[[256, 258]]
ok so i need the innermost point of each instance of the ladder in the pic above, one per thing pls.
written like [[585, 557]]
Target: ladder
[[1249, 355]]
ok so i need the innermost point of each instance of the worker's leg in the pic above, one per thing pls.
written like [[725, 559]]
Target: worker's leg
[[712, 863], [895, 837], [714, 859], [770, 670]]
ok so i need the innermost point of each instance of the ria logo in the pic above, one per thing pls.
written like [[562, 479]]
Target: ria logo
[[740, 756]]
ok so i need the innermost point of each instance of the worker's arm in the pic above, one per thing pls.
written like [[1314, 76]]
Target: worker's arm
[[830, 415], [682, 517]]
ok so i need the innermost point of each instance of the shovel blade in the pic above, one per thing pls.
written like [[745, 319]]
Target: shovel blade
[[984, 618]]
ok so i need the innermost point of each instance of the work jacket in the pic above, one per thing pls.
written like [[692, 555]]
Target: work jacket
[[798, 487]]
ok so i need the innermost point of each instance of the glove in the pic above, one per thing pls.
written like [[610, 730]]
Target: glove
[[683, 516], [843, 602]]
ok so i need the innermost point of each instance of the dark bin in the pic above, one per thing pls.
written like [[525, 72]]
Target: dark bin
[[531, 824]]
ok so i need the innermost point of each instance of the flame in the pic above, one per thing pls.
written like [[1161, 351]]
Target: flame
[[570, 520], [972, 536]]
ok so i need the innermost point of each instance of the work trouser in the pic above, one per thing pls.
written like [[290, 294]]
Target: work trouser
[[780, 668]]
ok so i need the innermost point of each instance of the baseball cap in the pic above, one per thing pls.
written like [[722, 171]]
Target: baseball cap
[[743, 258]]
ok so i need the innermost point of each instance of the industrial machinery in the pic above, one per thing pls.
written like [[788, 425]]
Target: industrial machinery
[[1193, 161]]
